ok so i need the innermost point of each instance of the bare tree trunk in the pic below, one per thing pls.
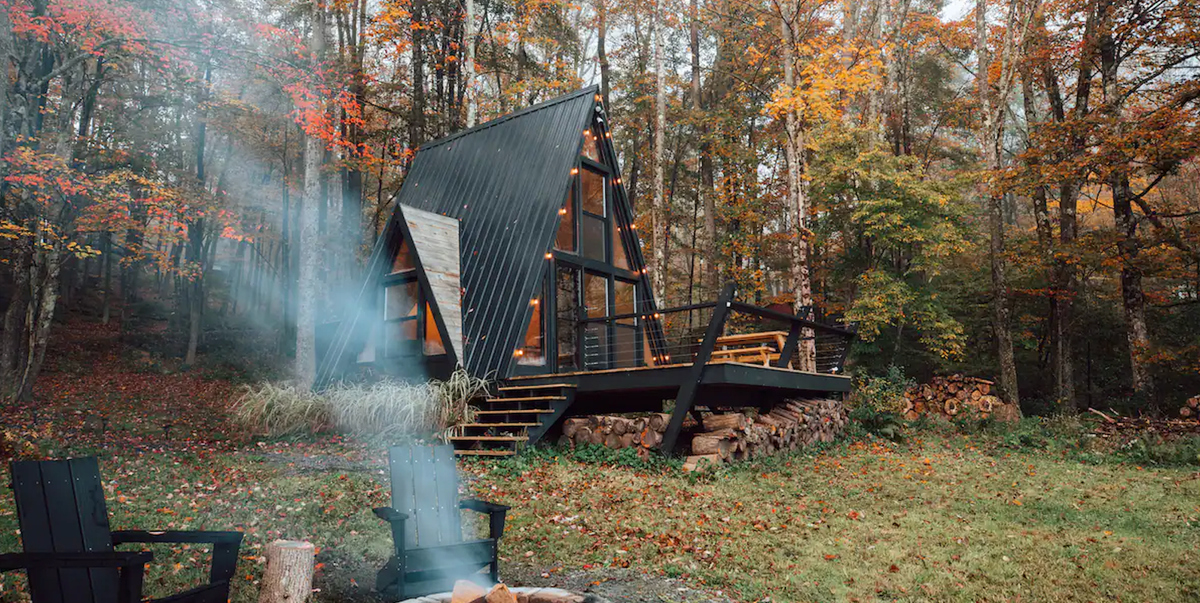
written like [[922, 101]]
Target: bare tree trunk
[[106, 259], [195, 250], [797, 192], [993, 109], [416, 121], [601, 51], [40, 315], [661, 236], [1133, 298], [308, 286], [469, 62], [15, 326]]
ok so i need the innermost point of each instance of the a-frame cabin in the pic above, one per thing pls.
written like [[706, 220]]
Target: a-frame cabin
[[512, 251]]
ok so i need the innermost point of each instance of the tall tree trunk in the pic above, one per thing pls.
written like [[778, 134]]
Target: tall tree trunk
[[13, 338], [993, 108], [1133, 298], [601, 51], [468, 76], [661, 226], [195, 250], [797, 192], [416, 121], [308, 286]]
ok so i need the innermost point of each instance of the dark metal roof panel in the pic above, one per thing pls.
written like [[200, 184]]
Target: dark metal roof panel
[[505, 181]]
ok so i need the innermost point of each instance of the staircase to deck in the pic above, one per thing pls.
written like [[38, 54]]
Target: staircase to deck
[[518, 416]]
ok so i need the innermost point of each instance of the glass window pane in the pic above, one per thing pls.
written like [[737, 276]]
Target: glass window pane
[[567, 308], [400, 337], [368, 352], [595, 290], [591, 147], [593, 238], [533, 351], [593, 192], [400, 300], [404, 259], [620, 259], [624, 291], [624, 347], [565, 239], [434, 346]]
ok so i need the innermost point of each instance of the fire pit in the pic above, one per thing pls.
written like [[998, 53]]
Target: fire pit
[[469, 592]]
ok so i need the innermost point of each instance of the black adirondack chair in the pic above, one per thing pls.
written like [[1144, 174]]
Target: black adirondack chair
[[426, 526], [69, 549]]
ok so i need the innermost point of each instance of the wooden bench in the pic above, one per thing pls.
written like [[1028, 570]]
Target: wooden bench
[[756, 355], [752, 348]]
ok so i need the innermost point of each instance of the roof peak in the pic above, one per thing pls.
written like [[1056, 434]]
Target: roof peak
[[587, 90]]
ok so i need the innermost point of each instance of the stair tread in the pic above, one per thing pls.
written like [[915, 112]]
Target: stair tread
[[536, 411], [527, 399], [489, 438], [486, 452], [499, 424], [509, 388]]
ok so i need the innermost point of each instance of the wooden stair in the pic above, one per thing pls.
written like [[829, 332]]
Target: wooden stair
[[518, 416]]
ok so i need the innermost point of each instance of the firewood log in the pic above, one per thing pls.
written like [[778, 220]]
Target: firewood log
[[613, 441], [629, 440], [571, 426], [705, 444], [734, 420], [659, 421], [289, 573]]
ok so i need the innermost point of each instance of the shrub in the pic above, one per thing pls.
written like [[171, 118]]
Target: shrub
[[387, 409], [878, 401], [883, 393]]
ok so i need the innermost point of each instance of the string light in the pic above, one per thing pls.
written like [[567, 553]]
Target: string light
[[549, 256], [533, 302], [518, 353], [574, 171], [562, 212]]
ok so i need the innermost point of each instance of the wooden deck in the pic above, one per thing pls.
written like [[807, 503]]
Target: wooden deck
[[717, 373]]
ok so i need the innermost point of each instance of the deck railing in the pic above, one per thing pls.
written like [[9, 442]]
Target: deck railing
[[677, 335]]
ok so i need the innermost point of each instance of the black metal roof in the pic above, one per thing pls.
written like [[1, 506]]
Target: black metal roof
[[505, 180]]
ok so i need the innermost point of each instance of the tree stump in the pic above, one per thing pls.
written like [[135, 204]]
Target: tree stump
[[289, 574]]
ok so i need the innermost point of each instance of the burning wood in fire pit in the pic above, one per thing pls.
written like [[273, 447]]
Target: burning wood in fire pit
[[466, 591]]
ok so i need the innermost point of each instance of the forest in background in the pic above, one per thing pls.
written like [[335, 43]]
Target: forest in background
[[1010, 193]]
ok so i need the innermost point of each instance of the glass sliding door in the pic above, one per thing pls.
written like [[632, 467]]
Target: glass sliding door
[[566, 317]]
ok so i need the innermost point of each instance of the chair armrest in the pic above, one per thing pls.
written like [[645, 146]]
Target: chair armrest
[[225, 547], [482, 506], [389, 514], [130, 567], [176, 537], [15, 561], [496, 515]]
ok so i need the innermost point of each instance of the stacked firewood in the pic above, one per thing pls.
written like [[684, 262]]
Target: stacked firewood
[[616, 432], [1191, 408], [735, 436], [949, 396]]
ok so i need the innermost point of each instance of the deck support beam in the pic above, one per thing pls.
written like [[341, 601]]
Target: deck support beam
[[688, 388]]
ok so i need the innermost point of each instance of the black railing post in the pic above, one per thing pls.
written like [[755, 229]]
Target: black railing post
[[691, 384], [789, 346]]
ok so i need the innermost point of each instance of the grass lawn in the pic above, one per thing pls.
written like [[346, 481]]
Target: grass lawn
[[941, 519], [991, 516]]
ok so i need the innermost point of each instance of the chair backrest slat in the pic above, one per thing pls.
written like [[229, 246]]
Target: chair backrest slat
[[446, 474], [60, 508], [404, 500], [425, 486]]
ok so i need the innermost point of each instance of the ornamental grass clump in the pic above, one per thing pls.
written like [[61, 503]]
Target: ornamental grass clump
[[388, 409]]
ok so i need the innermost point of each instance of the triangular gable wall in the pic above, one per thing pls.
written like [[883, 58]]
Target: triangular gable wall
[[356, 326], [435, 243]]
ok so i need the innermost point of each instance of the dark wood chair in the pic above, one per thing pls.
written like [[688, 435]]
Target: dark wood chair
[[69, 549], [431, 554]]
